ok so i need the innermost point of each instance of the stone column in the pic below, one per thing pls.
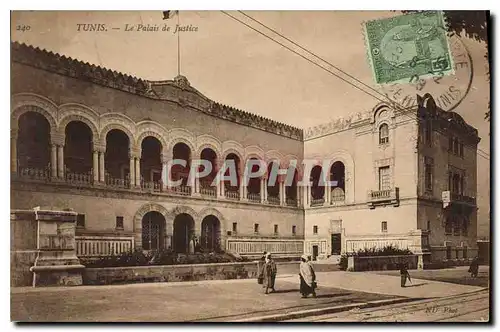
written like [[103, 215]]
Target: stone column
[[138, 172], [164, 174], [328, 193], [60, 161], [282, 193], [95, 165], [53, 160], [263, 190], [101, 165], [13, 150], [132, 171]]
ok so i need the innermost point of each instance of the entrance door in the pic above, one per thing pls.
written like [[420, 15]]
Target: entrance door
[[336, 243], [315, 252]]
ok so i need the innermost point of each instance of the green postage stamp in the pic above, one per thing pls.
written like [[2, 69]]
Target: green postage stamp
[[408, 47]]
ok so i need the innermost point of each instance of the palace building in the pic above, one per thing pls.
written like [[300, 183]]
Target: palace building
[[99, 142]]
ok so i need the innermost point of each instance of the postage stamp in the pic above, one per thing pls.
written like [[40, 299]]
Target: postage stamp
[[408, 46]]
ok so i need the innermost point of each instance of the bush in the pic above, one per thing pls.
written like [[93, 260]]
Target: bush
[[389, 250], [159, 257]]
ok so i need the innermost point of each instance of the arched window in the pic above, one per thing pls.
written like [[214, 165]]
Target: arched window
[[383, 134]]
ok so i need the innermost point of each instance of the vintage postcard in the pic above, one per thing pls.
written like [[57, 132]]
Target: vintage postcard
[[250, 166]]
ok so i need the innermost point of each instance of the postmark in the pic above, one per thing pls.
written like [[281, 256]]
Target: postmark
[[406, 46], [448, 91]]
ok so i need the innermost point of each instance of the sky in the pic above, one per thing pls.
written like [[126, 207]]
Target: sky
[[232, 64]]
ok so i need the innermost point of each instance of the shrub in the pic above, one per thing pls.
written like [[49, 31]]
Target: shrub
[[389, 250]]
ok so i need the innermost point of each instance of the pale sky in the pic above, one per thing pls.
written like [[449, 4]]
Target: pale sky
[[231, 64]]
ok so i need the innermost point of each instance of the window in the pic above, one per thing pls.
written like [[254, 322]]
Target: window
[[275, 229], [384, 226], [448, 252], [294, 229], [465, 227], [428, 225], [80, 220], [428, 172], [383, 134], [315, 229], [235, 227], [455, 146], [256, 228], [456, 227], [461, 150], [119, 222], [384, 178], [465, 252]]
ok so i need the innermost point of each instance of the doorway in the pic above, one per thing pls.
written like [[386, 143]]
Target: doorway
[[315, 252], [336, 243]]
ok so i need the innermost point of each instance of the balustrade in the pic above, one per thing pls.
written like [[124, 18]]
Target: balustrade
[[232, 194], [273, 200], [253, 197], [96, 246], [40, 174], [317, 201]]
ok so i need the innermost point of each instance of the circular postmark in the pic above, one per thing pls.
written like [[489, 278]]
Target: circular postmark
[[448, 90]]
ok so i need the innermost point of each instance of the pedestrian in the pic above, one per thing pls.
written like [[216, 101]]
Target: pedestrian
[[270, 271], [403, 270], [260, 269], [474, 267], [307, 277]]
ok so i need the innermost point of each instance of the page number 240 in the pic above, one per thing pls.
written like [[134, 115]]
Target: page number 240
[[23, 28]]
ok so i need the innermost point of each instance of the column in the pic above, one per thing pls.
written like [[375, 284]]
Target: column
[[101, 166], [53, 161], [196, 186], [164, 174], [13, 151], [132, 170], [95, 165], [60, 161], [282, 193], [328, 193], [137, 172], [243, 189], [263, 197]]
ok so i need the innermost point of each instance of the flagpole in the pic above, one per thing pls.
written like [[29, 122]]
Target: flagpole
[[178, 45]]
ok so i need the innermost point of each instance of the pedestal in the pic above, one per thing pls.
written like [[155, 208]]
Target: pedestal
[[56, 263]]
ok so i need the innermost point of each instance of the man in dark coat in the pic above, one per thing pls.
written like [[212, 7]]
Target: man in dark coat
[[474, 267], [403, 270]]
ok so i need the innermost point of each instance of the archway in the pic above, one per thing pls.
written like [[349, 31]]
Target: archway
[[151, 166], [183, 233], [231, 188], [153, 231], [291, 186], [210, 233], [116, 158], [33, 141], [78, 148], [337, 175], [272, 183], [253, 183], [206, 187], [317, 186]]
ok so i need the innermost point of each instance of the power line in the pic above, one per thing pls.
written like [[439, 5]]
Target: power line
[[394, 103]]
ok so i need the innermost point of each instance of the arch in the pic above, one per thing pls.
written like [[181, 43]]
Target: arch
[[274, 155], [254, 150], [383, 132], [23, 102], [211, 211], [153, 231], [182, 209], [382, 106], [208, 141], [147, 128], [181, 135], [349, 170], [82, 118], [184, 233], [111, 126], [148, 207], [233, 147]]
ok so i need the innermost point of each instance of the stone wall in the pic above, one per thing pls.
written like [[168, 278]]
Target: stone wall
[[23, 247]]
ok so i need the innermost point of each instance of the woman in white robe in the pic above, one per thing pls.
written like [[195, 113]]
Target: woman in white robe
[[307, 278]]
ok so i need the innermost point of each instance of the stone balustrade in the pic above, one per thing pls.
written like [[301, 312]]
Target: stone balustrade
[[98, 246]]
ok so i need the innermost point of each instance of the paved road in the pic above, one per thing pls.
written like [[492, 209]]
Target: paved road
[[472, 307], [220, 300]]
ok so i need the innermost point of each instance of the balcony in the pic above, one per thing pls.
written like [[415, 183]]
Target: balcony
[[464, 199], [273, 200], [253, 197], [207, 190], [317, 201], [152, 186], [233, 195], [291, 201], [383, 197]]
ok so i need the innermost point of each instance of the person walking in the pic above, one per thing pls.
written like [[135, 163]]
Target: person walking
[[403, 270], [260, 269], [270, 271], [474, 267], [307, 277]]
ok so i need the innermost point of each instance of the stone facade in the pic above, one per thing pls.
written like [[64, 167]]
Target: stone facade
[[127, 131]]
